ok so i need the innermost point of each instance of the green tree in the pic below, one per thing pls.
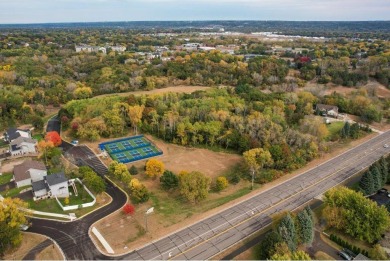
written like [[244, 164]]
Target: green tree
[[169, 180], [357, 216], [194, 186], [377, 178], [267, 246], [384, 168], [300, 255], [11, 217], [287, 231], [257, 159], [305, 226], [94, 182], [366, 183], [378, 253], [133, 170]]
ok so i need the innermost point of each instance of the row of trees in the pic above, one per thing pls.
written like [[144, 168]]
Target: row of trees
[[290, 231], [375, 177]]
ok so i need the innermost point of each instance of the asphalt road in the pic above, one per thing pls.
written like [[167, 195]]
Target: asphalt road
[[210, 236], [215, 234]]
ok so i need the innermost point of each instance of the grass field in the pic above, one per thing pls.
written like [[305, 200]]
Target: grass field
[[130, 149], [334, 129], [5, 178]]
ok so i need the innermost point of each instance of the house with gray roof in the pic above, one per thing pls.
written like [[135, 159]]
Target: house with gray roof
[[14, 133], [327, 110], [23, 145], [28, 172], [53, 185]]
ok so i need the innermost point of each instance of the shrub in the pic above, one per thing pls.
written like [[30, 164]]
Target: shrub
[[221, 183]]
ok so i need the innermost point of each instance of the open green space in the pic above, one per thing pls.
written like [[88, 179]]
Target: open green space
[[81, 198], [334, 129], [5, 178], [13, 192], [38, 137]]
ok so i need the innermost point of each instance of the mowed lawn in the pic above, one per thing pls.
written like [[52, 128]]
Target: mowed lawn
[[334, 129]]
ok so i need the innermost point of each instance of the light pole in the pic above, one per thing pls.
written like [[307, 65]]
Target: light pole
[[149, 211]]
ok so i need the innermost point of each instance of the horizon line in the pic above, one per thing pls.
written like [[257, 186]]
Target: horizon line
[[200, 20]]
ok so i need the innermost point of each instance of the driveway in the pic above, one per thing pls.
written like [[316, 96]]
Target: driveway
[[28, 195], [10, 185], [320, 245]]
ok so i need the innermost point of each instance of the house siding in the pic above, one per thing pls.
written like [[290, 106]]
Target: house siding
[[25, 148], [22, 183], [60, 190], [40, 193]]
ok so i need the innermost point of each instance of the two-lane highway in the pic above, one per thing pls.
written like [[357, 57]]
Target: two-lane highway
[[215, 234]]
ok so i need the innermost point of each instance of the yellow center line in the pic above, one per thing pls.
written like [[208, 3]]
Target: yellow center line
[[273, 206]]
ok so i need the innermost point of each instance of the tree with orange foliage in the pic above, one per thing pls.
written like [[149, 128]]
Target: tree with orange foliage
[[54, 137]]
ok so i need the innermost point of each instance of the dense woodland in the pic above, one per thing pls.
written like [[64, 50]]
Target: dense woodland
[[40, 68]]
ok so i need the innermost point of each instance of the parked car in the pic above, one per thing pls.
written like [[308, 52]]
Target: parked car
[[24, 227], [344, 255], [382, 191], [386, 145], [349, 252]]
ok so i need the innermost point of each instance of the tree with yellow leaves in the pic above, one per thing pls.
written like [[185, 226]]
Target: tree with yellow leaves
[[11, 218], [154, 168], [256, 159], [135, 115]]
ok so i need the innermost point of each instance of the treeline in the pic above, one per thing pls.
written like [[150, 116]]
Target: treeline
[[290, 231], [236, 119], [377, 175]]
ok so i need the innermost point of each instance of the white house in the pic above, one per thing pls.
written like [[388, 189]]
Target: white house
[[14, 133], [89, 49], [28, 172], [52, 185], [22, 145], [58, 185]]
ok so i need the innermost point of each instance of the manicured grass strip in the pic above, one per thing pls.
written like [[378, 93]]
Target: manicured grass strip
[[5, 178], [13, 192]]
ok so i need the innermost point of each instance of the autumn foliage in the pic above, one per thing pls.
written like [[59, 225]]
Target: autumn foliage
[[129, 209], [154, 168], [54, 137]]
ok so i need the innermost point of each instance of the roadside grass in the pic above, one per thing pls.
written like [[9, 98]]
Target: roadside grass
[[5, 178], [175, 208], [12, 192]]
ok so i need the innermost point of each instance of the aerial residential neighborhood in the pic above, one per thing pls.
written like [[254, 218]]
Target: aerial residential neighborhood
[[199, 130]]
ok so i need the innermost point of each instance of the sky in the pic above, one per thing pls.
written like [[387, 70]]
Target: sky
[[49, 11]]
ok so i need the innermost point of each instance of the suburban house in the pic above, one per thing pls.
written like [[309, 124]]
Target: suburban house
[[22, 145], [89, 49], [28, 172], [52, 185], [327, 110], [14, 133]]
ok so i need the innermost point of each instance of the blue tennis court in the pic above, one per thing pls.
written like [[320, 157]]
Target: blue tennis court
[[130, 149]]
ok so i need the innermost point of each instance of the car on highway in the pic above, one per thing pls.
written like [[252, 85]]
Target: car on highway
[[344, 255]]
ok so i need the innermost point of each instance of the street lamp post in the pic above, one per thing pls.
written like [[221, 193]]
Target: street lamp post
[[149, 211]]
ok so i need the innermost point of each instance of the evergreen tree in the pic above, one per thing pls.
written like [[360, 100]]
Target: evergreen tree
[[133, 170], [267, 246], [354, 131], [309, 213], [347, 129], [384, 166], [287, 231], [367, 183], [377, 177], [305, 224], [169, 180]]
